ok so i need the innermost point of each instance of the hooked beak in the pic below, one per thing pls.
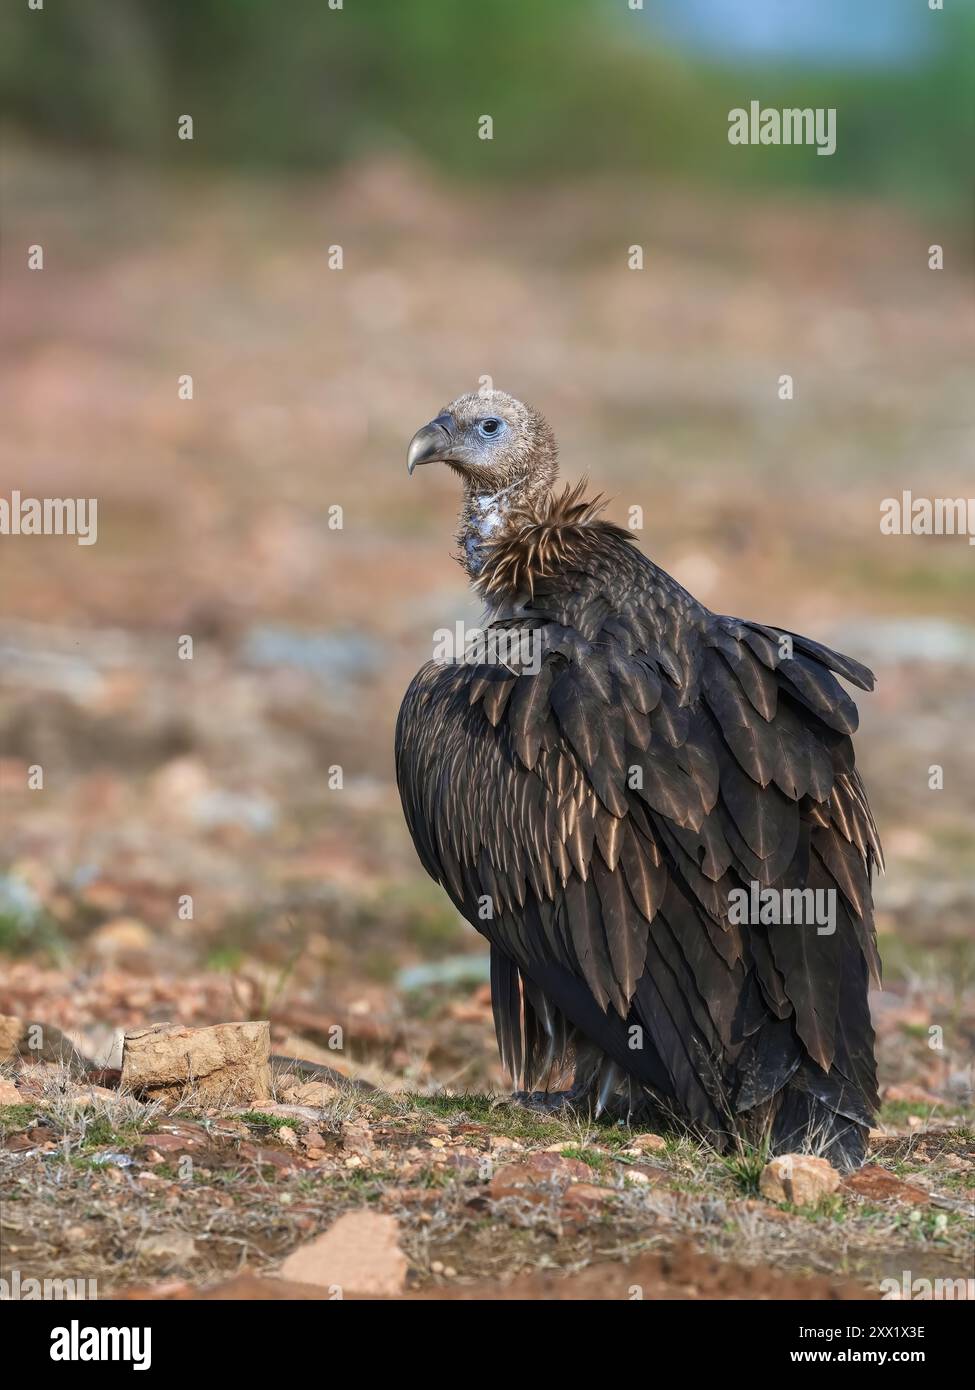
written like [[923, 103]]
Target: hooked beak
[[432, 443]]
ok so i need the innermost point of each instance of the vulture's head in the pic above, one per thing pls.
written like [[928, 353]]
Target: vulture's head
[[493, 441]]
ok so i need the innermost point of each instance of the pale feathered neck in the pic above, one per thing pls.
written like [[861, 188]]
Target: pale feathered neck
[[484, 517]]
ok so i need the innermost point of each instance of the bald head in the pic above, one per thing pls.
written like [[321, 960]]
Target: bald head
[[492, 440]]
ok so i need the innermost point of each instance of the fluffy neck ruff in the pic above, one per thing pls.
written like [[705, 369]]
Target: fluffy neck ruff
[[533, 539]]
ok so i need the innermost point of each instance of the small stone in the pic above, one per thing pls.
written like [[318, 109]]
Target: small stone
[[798, 1178], [544, 1167], [124, 936], [648, 1143], [525, 1179], [179, 784], [110, 1158], [11, 1030], [359, 1254], [876, 1184], [9, 1095], [278, 1109], [82, 1097], [314, 1141], [357, 1139], [315, 1094]]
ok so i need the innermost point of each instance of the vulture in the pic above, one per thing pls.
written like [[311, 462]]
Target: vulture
[[652, 813]]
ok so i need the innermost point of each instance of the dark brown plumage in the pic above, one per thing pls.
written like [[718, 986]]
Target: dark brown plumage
[[592, 812]]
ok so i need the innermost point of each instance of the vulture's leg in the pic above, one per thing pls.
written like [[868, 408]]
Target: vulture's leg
[[548, 1102], [601, 1089]]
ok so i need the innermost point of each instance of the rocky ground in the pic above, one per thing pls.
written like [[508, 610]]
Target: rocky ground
[[219, 838], [412, 1121]]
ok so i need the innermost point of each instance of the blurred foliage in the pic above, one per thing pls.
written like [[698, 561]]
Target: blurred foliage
[[572, 86]]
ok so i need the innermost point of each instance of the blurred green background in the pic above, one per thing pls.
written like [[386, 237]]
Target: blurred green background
[[586, 84]]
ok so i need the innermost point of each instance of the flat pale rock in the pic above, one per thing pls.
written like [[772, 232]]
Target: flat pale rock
[[225, 1064], [648, 1143], [9, 1095], [359, 1254], [798, 1178], [647, 1175], [312, 1093], [81, 1097], [278, 1110], [10, 1032]]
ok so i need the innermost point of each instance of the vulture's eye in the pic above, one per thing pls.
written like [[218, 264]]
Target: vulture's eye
[[490, 427]]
